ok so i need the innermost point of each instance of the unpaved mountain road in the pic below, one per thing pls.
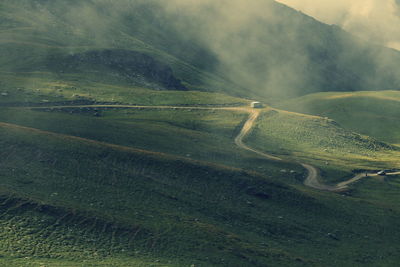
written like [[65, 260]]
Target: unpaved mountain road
[[361, 176], [247, 127], [312, 179]]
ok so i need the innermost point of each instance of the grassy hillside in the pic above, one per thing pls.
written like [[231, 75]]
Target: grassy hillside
[[131, 195], [67, 201], [195, 134], [45, 87], [86, 183], [374, 114], [322, 142], [72, 37], [85, 180]]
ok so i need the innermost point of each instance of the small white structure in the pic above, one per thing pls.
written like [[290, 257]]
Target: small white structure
[[4, 94], [256, 104]]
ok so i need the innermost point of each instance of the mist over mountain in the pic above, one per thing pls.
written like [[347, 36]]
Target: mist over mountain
[[276, 51], [258, 49], [375, 21]]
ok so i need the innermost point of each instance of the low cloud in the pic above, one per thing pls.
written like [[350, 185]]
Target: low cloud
[[266, 47], [374, 20]]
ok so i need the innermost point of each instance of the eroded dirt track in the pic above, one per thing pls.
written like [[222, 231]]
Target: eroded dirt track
[[247, 127]]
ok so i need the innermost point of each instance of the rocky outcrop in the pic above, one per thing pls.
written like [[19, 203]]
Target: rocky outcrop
[[131, 65]]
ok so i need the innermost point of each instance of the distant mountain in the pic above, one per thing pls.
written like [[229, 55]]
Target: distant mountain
[[102, 41], [263, 49], [276, 51]]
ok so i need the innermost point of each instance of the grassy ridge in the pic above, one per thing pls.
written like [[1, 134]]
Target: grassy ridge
[[371, 113], [46, 42], [323, 142], [36, 87]]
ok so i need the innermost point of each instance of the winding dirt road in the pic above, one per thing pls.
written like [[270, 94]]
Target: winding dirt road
[[312, 179], [245, 130]]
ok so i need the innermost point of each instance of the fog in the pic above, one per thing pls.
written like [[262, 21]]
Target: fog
[[281, 52], [242, 35], [265, 48], [234, 31], [374, 20]]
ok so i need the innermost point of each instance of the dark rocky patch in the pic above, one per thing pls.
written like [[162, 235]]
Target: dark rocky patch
[[133, 66]]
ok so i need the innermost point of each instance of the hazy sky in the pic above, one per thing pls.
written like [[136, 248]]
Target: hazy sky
[[375, 20]]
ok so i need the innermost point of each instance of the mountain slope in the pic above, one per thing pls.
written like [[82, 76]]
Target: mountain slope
[[72, 200], [322, 142], [36, 34], [117, 137], [290, 54], [371, 113]]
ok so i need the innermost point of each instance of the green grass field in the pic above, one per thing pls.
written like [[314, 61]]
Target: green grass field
[[194, 134], [375, 114], [90, 201], [47, 87], [168, 187], [322, 142]]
